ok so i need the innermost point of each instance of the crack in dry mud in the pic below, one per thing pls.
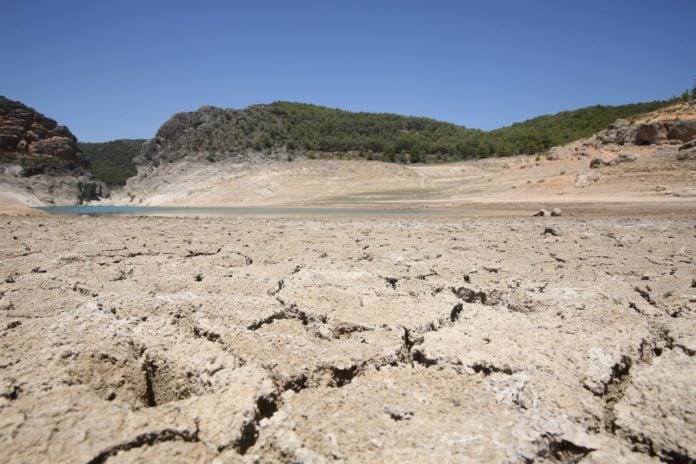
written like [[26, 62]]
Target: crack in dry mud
[[146, 439], [508, 330]]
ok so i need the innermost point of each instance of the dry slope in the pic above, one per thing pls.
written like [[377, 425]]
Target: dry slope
[[641, 160]]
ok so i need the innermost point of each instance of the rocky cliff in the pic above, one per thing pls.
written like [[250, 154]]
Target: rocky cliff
[[40, 162], [28, 133]]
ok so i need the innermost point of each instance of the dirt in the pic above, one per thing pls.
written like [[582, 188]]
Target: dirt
[[434, 339]]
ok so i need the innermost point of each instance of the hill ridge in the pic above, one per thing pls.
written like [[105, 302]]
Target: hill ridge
[[292, 129]]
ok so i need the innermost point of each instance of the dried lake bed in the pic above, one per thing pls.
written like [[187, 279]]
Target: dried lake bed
[[349, 339]]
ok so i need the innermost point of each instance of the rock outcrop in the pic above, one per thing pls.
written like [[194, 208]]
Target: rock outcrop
[[662, 129], [687, 151], [40, 162], [214, 134], [24, 131]]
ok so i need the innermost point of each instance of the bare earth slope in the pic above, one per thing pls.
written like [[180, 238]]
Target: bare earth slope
[[636, 170], [384, 340]]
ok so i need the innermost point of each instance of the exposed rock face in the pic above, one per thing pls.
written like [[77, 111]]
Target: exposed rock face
[[25, 131], [683, 131], [213, 134], [41, 162], [648, 134], [620, 132], [674, 129]]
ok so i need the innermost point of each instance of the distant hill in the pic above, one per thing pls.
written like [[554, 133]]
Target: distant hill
[[543, 132], [112, 162], [284, 130]]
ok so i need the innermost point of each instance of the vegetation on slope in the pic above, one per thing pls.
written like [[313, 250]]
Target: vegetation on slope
[[388, 137], [289, 130], [112, 162], [541, 133], [401, 138], [316, 131]]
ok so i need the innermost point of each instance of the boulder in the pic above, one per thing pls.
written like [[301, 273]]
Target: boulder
[[681, 130], [598, 162], [622, 158], [620, 132], [552, 154], [586, 177], [688, 145], [651, 133], [626, 157], [683, 155], [90, 191], [546, 213]]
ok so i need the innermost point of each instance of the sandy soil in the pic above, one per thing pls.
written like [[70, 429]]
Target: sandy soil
[[11, 206], [351, 340]]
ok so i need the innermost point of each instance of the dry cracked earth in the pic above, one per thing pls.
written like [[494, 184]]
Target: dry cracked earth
[[334, 340]]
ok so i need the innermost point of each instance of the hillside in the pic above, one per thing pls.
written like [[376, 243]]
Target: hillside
[[285, 131], [632, 161], [541, 133], [112, 162]]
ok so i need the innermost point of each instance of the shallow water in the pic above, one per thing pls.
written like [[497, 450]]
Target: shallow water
[[105, 210]]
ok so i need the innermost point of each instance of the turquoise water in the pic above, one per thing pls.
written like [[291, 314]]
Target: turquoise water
[[101, 210]]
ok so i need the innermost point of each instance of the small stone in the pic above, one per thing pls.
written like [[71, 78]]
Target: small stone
[[376, 443], [556, 212], [597, 162], [324, 332], [688, 145], [398, 414], [626, 157]]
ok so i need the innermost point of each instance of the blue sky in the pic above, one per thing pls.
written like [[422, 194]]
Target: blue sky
[[119, 69]]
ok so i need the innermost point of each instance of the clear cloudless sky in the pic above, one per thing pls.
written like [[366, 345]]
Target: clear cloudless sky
[[119, 69]]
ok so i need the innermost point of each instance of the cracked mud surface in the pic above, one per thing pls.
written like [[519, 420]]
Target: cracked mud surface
[[371, 340]]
